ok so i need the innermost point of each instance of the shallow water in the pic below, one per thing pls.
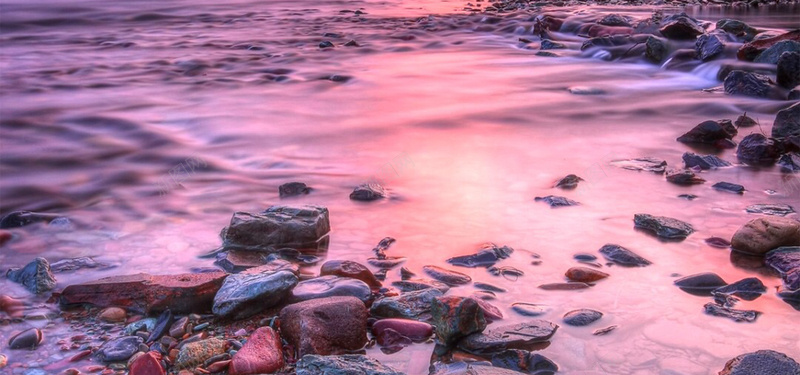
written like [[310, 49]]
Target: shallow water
[[461, 122]]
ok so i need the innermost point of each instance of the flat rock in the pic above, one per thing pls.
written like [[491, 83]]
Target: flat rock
[[514, 336], [368, 192], [411, 305], [777, 209], [565, 286], [412, 285], [36, 276], [530, 309], [486, 256], [347, 268], [261, 354], [330, 286], [763, 234], [787, 122], [662, 226], [347, 364], [456, 317], [730, 313], [245, 294], [332, 325], [471, 368], [183, 294], [446, 276], [277, 227], [691, 160], [758, 149], [585, 275], [701, 284], [556, 201], [684, 177], [623, 256], [582, 317], [646, 164], [729, 187], [762, 362], [747, 289], [119, 349]]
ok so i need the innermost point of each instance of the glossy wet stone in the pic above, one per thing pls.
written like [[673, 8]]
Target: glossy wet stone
[[329, 286], [147, 364], [18, 219], [684, 177], [523, 335], [730, 313], [757, 149], [681, 27], [36, 276], [777, 209], [119, 349], [446, 276], [701, 284], [74, 264], [786, 260], [411, 305], [347, 268], [414, 330], [237, 261], [487, 256], [729, 187], [646, 164], [556, 201], [368, 192], [471, 368], [332, 325], [161, 328], [710, 132], [740, 82], [582, 317], [27, 339], [530, 309], [489, 287], [291, 189], [718, 242], [347, 364], [709, 46], [663, 226], [278, 226], [248, 293], [524, 361], [585, 275], [762, 362], [456, 317], [763, 234], [747, 289], [703, 161], [420, 284], [623, 256]]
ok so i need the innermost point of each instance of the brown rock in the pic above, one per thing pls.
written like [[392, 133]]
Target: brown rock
[[262, 354], [751, 50], [332, 325], [763, 234], [178, 329], [146, 293], [112, 315], [147, 364], [11, 306], [584, 274], [346, 268]]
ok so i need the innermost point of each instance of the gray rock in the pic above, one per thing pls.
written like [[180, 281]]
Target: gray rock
[[700, 284], [368, 192], [530, 309], [789, 162], [740, 82], [556, 201], [291, 189], [747, 289], [681, 27], [786, 260], [278, 226], [615, 20], [472, 368], [235, 261], [662, 226], [737, 28], [119, 349], [730, 313], [412, 285], [35, 276], [623, 256], [709, 46], [325, 326], [330, 286], [487, 256], [411, 305], [446, 276], [248, 293], [777, 209], [774, 52], [703, 161], [655, 49], [73, 264], [582, 317], [515, 336], [762, 362], [729, 187], [347, 364], [569, 181], [549, 44], [787, 122], [788, 75], [646, 164]]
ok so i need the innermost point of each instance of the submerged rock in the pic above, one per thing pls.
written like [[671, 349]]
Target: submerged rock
[[663, 226], [745, 121], [446, 276], [684, 177], [368, 192], [642, 164], [549, 44], [487, 256], [709, 46], [278, 226], [787, 122], [524, 361], [18, 219], [778, 209], [35, 276], [556, 201], [585, 275], [718, 242], [411, 305], [747, 289], [582, 317], [248, 293], [530, 309], [700, 284], [710, 132], [565, 286], [27, 339], [456, 317], [786, 260], [569, 181], [703, 161], [623, 256], [788, 75], [740, 82], [729, 187], [730, 313], [414, 330], [332, 325], [291, 189], [758, 149], [119, 349], [763, 234], [346, 364], [762, 362], [237, 261], [73, 264], [329, 286], [523, 335]]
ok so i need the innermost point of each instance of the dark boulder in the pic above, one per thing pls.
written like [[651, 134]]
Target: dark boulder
[[709, 46], [291, 189], [332, 325], [119, 349], [569, 181], [278, 226], [368, 192], [774, 52], [789, 162], [410, 305], [737, 28], [701, 284], [523, 335], [758, 149], [524, 361], [623, 256], [740, 82], [582, 317], [36, 276], [729, 187], [487, 256], [662, 226], [691, 160], [747, 289], [751, 50], [18, 219], [681, 27], [787, 122], [655, 49], [730, 313], [710, 132], [456, 317], [615, 19], [788, 74]]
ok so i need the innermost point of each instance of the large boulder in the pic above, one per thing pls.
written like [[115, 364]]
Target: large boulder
[[737, 28], [347, 364], [710, 132], [788, 74], [762, 362], [763, 234], [773, 53], [709, 46], [248, 293], [758, 149], [347, 268], [740, 82], [277, 227], [261, 354], [36, 276], [750, 51], [787, 122], [324, 326], [662, 226]]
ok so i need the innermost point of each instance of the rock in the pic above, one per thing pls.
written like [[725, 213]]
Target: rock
[[66, 265], [642, 164], [489, 287], [750, 51], [569, 181], [564, 286], [330, 286], [471, 368], [291, 189], [786, 260], [490, 312], [615, 20], [35, 276], [524, 361], [710, 132], [179, 328], [414, 330], [737, 28], [346, 268], [585, 275], [325, 44], [196, 353], [700, 284], [18, 219], [585, 90], [119, 349], [161, 328], [734, 314], [703, 161], [325, 326], [684, 177], [788, 74], [740, 82], [778, 209], [147, 364], [420, 284], [27, 339], [523, 335], [456, 317], [662, 226], [556, 201], [261, 354], [763, 234], [446, 276], [507, 272], [352, 43], [113, 315], [604, 331], [745, 121], [792, 297], [549, 44], [681, 28], [709, 46], [787, 122], [146, 324], [762, 362], [487, 256], [623, 256], [789, 162], [248, 293], [530, 309], [758, 149], [655, 49], [582, 317], [368, 192], [235, 261], [729, 187], [183, 294], [747, 289], [278, 226], [13, 307], [774, 52], [411, 305], [348, 364]]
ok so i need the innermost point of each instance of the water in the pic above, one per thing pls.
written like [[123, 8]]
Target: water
[[462, 122]]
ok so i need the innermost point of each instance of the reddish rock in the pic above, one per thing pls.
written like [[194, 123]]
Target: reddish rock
[[218, 366], [417, 331], [5, 236], [182, 294], [751, 50], [346, 268], [456, 317], [585, 275], [262, 354], [332, 325], [112, 315], [11, 306], [147, 364]]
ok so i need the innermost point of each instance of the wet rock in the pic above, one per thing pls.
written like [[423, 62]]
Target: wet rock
[[582, 317], [774, 52], [414, 330], [740, 82], [490, 312], [13, 307], [347, 364], [792, 297], [549, 44], [623, 256], [703, 161], [565, 286], [261, 354], [700, 284], [471, 368], [346, 268], [763, 234], [762, 362], [507, 272], [487, 256], [655, 49], [147, 364], [604, 331], [67, 265], [786, 260], [787, 122], [489, 287], [788, 74], [412, 285], [681, 28], [684, 177], [747, 289], [146, 324], [368, 192], [662, 226], [585, 275], [745, 121], [325, 44], [750, 51], [642, 164], [27, 339], [556, 201], [758, 149], [183, 294], [291, 189], [709, 46], [737, 28], [18, 219], [386, 263], [710, 132], [730, 313], [530, 309], [161, 328], [446, 276], [238, 261], [789, 162], [352, 43], [119, 349], [331, 325], [524, 361], [614, 20], [113, 315], [330, 286], [456, 317], [778, 209], [729, 187], [35, 276], [248, 293], [179, 328], [584, 90], [411, 305], [569, 181], [278, 226], [523, 335], [197, 353]]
